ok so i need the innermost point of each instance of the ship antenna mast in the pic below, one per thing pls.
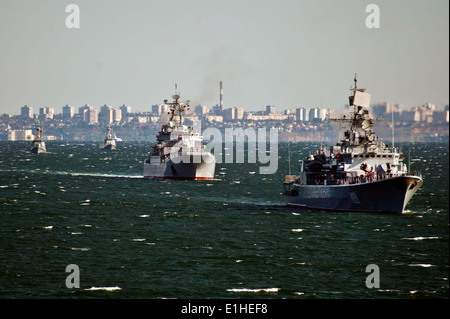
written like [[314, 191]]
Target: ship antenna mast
[[354, 89], [38, 130], [409, 160], [392, 115], [176, 111], [289, 158]]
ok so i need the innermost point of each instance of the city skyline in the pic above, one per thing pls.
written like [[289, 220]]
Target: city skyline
[[424, 123], [88, 113], [286, 53]]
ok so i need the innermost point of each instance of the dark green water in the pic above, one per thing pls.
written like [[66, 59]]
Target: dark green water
[[230, 237]]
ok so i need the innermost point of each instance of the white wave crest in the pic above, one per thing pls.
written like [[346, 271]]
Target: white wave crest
[[254, 290], [420, 238], [104, 288], [421, 265]]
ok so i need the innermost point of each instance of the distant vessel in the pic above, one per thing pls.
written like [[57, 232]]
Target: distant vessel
[[38, 144], [109, 142], [360, 173], [179, 153]]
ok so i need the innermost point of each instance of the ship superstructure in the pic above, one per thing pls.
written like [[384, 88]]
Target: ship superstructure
[[360, 173], [38, 143], [109, 143]]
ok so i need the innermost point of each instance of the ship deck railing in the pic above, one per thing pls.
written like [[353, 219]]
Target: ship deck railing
[[323, 179], [414, 173]]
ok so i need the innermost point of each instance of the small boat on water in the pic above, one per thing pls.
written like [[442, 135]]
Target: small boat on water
[[360, 173], [109, 142], [38, 144]]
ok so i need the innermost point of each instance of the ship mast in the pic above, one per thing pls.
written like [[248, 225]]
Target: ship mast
[[356, 85], [360, 131], [38, 130], [177, 108], [393, 124]]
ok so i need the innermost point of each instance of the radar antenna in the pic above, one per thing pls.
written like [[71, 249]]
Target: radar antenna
[[176, 108]]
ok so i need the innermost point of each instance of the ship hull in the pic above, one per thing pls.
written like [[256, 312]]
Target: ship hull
[[190, 166], [109, 147], [38, 149], [387, 196]]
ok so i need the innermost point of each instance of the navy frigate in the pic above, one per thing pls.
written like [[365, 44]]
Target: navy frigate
[[361, 173], [179, 152]]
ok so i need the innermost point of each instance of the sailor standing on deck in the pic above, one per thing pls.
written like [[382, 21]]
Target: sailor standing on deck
[[381, 173]]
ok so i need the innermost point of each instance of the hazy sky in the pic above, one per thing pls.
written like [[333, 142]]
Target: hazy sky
[[288, 53]]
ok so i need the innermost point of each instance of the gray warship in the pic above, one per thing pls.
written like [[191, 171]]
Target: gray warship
[[360, 173], [38, 144], [179, 152]]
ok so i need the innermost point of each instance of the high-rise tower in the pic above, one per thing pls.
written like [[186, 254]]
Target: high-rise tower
[[221, 96]]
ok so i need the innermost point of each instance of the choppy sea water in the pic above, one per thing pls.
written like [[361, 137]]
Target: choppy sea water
[[231, 237]]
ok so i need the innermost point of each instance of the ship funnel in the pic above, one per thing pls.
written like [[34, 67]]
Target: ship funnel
[[221, 96]]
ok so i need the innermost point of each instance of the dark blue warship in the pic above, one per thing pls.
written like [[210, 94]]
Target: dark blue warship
[[360, 173]]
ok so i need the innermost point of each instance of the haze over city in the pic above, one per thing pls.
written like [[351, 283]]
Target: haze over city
[[286, 53]]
